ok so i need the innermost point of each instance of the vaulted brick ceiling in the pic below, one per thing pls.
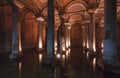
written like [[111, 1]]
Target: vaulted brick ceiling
[[71, 10]]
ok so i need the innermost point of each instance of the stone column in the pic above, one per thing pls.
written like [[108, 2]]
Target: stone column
[[110, 46], [92, 47], [50, 29], [66, 36], [83, 36], [15, 35], [68, 30], [40, 44]]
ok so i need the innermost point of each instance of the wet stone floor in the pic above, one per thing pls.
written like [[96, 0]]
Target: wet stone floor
[[74, 63]]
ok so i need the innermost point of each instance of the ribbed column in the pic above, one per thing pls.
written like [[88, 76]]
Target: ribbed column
[[68, 31], [86, 34], [67, 37], [16, 47], [50, 28], [40, 43], [92, 47]]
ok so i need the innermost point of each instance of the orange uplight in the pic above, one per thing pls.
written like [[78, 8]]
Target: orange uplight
[[63, 48], [20, 49], [87, 44], [58, 56], [67, 43], [94, 47], [40, 43]]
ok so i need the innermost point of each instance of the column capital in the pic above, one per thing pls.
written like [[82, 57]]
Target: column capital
[[92, 11], [41, 19], [86, 21], [68, 25], [55, 28], [16, 4]]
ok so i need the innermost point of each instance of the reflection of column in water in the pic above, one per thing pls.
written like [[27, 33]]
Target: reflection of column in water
[[94, 64], [68, 56], [87, 55], [20, 67], [40, 58], [94, 67], [63, 59]]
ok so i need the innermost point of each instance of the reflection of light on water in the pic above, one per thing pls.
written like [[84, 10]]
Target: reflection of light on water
[[67, 54], [87, 55], [63, 59], [94, 63], [40, 58], [20, 67], [83, 52], [102, 51], [58, 56]]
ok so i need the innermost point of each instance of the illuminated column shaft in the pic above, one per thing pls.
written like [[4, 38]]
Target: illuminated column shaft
[[110, 46], [69, 31], [92, 33], [15, 35], [86, 37], [55, 39], [66, 37], [40, 45], [83, 36]]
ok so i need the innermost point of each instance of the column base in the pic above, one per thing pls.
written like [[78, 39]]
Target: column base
[[112, 67], [92, 54], [40, 50], [16, 56]]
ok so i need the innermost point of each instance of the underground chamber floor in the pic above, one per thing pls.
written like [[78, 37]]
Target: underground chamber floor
[[74, 63]]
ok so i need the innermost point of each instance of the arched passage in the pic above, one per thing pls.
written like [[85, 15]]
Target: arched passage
[[29, 31]]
